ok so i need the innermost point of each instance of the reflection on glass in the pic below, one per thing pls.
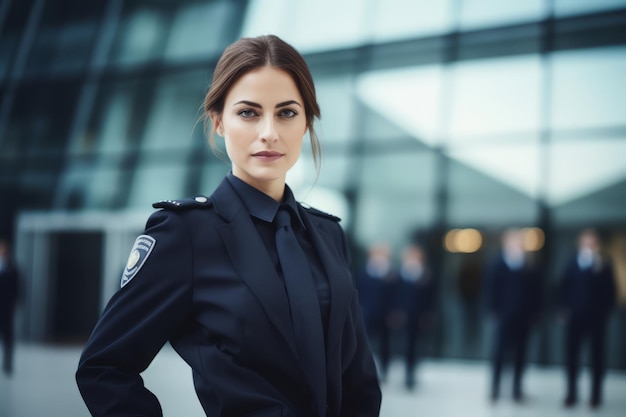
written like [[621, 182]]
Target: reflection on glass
[[396, 195], [409, 97], [573, 7], [480, 13], [334, 95], [299, 22], [584, 167], [157, 180], [478, 198], [198, 30], [588, 88], [94, 175], [496, 97], [403, 19], [139, 36], [515, 164]]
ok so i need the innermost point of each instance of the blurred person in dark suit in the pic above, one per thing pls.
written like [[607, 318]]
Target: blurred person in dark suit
[[513, 297], [587, 296], [377, 284], [470, 290], [9, 278], [416, 294]]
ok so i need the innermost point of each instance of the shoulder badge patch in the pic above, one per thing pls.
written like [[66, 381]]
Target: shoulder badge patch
[[138, 255]]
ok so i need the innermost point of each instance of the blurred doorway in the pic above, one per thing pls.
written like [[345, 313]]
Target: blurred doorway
[[75, 280]]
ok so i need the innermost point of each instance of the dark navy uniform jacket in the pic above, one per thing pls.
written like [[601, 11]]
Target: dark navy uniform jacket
[[513, 295], [209, 287], [588, 295]]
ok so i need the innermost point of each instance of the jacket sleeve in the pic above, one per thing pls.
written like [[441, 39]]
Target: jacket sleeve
[[137, 322]]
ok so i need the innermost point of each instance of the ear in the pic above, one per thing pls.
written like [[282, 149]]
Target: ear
[[216, 120]]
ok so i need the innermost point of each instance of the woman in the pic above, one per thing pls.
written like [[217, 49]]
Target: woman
[[209, 275]]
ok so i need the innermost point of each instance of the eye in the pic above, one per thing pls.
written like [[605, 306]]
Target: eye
[[287, 113], [247, 113]]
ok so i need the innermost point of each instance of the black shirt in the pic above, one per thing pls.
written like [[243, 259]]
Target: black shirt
[[263, 209]]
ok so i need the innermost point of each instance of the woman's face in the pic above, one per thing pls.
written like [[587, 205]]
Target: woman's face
[[263, 124]]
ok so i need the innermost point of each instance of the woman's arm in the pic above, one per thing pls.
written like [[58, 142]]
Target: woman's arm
[[138, 321]]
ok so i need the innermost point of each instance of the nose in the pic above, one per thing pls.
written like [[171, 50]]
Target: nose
[[268, 132]]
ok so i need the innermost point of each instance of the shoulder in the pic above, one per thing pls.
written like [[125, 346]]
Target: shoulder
[[198, 202], [318, 213]]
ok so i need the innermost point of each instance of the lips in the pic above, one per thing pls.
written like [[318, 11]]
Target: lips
[[267, 155]]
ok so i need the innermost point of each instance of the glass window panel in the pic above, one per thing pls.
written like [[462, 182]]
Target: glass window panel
[[115, 120], [157, 180], [299, 22], [477, 199], [410, 98], [378, 132], [334, 171], [139, 36], [515, 164], [498, 96], [102, 147], [65, 38], [174, 112], [588, 88], [335, 97], [91, 185], [200, 29], [480, 13], [396, 195], [212, 175], [573, 7], [168, 139], [105, 185], [600, 208], [402, 19], [40, 118], [62, 49], [581, 169]]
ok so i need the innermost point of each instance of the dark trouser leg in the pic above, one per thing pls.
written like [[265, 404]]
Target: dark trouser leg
[[597, 362], [521, 341], [384, 333], [573, 338], [499, 348], [6, 332], [411, 352]]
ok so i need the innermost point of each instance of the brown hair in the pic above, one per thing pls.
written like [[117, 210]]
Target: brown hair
[[248, 54]]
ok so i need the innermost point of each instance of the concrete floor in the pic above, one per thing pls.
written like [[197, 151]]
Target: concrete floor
[[43, 385]]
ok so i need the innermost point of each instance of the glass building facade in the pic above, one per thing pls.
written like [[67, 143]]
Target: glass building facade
[[437, 116]]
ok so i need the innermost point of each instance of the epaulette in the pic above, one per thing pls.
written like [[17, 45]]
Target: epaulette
[[184, 204], [320, 213]]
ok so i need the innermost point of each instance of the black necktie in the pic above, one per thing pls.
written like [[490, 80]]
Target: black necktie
[[304, 305]]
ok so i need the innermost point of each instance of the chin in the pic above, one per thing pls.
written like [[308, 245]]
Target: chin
[[267, 174]]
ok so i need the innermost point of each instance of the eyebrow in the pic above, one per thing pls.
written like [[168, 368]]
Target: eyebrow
[[253, 104]]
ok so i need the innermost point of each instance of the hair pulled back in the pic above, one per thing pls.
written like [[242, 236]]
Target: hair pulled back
[[248, 54]]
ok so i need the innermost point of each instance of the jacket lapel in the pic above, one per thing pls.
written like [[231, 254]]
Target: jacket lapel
[[250, 259], [339, 278]]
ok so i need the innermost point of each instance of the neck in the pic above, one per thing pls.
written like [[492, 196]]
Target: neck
[[274, 188]]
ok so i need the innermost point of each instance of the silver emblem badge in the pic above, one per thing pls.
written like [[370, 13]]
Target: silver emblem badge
[[138, 255]]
